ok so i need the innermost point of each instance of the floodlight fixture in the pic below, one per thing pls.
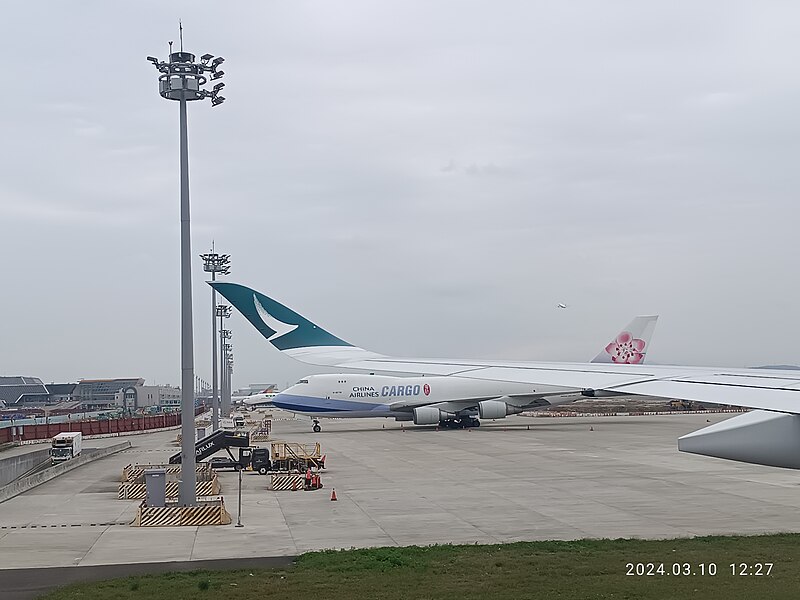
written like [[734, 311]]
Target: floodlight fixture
[[217, 75], [218, 86], [182, 78], [217, 100]]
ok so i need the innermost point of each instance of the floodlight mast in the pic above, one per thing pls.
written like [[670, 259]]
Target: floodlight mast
[[215, 263], [226, 334], [181, 79]]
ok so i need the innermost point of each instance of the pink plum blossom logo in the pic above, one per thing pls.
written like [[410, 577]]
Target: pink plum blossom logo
[[626, 349]]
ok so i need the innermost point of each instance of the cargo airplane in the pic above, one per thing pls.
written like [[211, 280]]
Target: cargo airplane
[[446, 401]]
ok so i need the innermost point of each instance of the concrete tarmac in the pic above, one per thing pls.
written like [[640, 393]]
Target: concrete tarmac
[[514, 479]]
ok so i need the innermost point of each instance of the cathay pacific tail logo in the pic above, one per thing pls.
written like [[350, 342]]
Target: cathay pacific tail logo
[[279, 327]]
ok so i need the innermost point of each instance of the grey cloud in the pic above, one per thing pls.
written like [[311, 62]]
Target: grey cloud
[[421, 178]]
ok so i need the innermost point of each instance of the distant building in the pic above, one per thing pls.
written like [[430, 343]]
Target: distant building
[[99, 394], [22, 391], [139, 396], [61, 392]]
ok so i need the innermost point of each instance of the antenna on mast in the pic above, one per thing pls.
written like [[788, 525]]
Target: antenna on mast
[[180, 29]]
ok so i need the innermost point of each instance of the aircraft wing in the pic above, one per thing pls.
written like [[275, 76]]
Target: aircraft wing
[[765, 389]]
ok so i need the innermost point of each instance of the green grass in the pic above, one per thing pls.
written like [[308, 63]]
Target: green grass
[[585, 569]]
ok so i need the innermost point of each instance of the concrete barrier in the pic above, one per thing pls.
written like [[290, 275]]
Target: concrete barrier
[[210, 512], [16, 466], [30, 482]]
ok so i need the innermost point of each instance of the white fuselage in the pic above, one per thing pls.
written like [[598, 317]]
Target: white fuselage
[[356, 395]]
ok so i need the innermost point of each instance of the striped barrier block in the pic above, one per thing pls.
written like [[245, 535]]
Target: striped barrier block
[[208, 513], [281, 482], [138, 491], [133, 473], [158, 516]]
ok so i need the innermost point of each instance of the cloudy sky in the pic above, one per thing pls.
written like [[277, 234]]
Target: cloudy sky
[[421, 178]]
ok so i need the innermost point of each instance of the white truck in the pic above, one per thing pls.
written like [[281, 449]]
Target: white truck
[[65, 446]]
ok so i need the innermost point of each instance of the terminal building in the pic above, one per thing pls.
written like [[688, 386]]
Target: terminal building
[[101, 394], [134, 397], [129, 393], [23, 392]]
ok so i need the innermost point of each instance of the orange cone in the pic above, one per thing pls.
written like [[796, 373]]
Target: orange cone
[[333, 495]]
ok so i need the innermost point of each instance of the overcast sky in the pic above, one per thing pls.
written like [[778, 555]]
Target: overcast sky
[[420, 178]]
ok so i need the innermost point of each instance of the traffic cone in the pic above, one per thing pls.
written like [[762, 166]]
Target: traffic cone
[[591, 428], [333, 495], [294, 485]]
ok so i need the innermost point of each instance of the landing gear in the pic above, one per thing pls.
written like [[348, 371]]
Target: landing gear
[[317, 427]]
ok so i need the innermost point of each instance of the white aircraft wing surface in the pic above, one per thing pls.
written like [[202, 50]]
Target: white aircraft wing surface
[[765, 389]]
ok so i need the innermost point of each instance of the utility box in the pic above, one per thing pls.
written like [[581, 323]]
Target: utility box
[[200, 433], [156, 482]]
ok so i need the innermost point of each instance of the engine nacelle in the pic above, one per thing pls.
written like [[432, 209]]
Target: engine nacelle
[[590, 393], [430, 415], [759, 437], [496, 409]]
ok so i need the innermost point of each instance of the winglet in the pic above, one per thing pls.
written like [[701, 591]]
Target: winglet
[[630, 346]]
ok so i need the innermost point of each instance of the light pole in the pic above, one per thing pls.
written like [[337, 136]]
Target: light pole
[[181, 79], [239, 514], [223, 312], [226, 375], [215, 263], [230, 378]]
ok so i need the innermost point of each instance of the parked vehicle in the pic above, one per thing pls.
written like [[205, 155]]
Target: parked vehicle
[[65, 446]]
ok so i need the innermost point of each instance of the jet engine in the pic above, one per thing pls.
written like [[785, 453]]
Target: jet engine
[[758, 436], [496, 409], [430, 415]]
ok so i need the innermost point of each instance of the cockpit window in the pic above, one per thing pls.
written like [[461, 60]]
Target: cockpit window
[[302, 381]]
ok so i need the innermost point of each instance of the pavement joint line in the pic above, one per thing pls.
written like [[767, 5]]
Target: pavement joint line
[[286, 522], [37, 526], [370, 517]]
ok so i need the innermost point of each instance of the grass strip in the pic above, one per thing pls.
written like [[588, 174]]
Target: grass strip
[[583, 569]]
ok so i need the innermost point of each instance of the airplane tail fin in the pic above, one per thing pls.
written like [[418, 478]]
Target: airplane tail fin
[[630, 346], [288, 331]]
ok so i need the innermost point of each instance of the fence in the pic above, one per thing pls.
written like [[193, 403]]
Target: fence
[[110, 426]]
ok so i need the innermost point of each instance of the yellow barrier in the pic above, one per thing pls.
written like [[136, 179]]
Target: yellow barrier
[[138, 491], [209, 513]]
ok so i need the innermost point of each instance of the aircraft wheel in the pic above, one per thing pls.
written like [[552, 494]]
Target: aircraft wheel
[[317, 428]]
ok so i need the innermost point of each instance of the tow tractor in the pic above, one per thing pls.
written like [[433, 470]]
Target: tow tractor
[[256, 459]]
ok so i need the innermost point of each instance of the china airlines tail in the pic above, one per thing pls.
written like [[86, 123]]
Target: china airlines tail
[[630, 346]]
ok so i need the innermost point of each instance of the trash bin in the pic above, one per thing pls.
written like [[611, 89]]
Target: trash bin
[[156, 482]]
